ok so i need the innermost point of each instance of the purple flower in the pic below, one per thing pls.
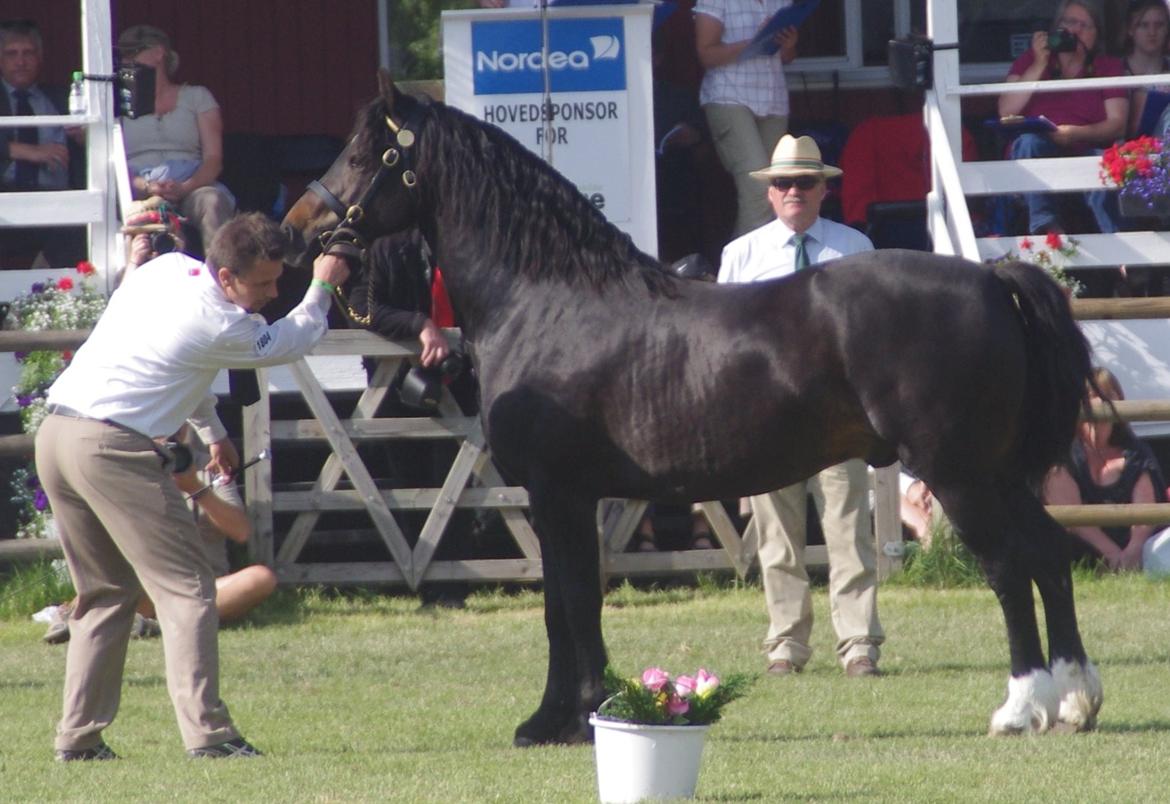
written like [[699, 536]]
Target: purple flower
[[20, 356], [32, 481], [24, 400], [38, 287], [40, 501]]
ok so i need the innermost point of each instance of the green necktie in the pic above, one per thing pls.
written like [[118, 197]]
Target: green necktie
[[801, 260]]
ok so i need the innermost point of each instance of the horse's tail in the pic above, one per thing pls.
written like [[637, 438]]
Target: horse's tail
[[1059, 368]]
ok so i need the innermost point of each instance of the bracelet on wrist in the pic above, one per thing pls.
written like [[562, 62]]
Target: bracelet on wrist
[[321, 283]]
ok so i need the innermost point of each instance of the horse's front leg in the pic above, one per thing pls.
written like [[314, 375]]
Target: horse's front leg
[[1077, 682], [987, 527], [566, 527]]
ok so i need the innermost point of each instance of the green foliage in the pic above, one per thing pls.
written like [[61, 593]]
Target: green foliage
[[414, 37], [28, 588], [63, 304], [681, 701], [947, 563]]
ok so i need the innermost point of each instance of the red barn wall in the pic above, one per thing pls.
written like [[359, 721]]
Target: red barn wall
[[276, 67]]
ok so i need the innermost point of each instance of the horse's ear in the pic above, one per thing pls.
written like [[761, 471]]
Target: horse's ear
[[386, 89]]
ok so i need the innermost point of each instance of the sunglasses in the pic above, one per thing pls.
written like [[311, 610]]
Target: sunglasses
[[801, 182]]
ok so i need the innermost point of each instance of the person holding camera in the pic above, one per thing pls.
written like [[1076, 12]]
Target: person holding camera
[[219, 514], [147, 367], [1086, 120], [176, 152]]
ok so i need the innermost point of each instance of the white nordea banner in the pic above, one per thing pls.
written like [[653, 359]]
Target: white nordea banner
[[594, 123]]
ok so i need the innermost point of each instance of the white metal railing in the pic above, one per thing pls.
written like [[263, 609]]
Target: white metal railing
[[96, 206]]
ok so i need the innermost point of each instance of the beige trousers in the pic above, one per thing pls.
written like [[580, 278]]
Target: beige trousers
[[841, 494], [124, 529], [745, 143]]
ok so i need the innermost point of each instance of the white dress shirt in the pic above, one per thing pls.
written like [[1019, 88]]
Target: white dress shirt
[[166, 333], [770, 252]]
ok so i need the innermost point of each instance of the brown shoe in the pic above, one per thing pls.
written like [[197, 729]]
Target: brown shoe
[[783, 667], [861, 667]]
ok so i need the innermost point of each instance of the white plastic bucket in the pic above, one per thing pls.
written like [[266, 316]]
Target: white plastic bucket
[[1156, 554], [637, 761]]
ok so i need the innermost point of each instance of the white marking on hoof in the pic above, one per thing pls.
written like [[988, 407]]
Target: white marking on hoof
[[1079, 687], [1032, 705]]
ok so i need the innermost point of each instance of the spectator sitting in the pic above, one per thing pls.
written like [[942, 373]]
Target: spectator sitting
[[1108, 464], [176, 152], [1146, 31], [32, 158], [1086, 120], [219, 515], [887, 158]]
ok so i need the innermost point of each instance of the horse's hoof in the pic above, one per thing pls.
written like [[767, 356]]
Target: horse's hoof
[[1080, 691], [540, 729], [577, 731], [1032, 705]]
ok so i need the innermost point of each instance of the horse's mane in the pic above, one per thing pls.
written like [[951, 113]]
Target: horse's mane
[[528, 216]]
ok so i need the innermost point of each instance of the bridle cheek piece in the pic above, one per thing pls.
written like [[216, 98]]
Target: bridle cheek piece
[[345, 240]]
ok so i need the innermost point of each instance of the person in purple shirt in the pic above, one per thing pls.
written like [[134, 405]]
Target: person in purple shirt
[[1087, 120]]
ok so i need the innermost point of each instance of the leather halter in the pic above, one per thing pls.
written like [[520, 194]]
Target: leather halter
[[346, 240]]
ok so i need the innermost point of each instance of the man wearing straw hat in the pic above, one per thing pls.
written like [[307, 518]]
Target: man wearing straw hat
[[797, 239]]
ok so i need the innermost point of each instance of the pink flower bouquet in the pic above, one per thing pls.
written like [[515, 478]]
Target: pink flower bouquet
[[658, 699]]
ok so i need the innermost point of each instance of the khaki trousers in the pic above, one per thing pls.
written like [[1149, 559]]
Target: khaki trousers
[[841, 494], [745, 143], [124, 528]]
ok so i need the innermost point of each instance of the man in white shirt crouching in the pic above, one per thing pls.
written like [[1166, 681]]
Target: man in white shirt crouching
[[124, 525]]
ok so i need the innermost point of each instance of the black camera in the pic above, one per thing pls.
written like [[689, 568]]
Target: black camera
[[181, 456], [162, 242], [422, 387], [1062, 41]]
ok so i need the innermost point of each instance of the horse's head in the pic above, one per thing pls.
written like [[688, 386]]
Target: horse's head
[[370, 190]]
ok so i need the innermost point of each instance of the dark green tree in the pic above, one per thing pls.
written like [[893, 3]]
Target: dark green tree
[[415, 53]]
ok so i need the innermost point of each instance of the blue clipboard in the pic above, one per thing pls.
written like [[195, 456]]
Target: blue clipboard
[[1018, 124], [764, 42]]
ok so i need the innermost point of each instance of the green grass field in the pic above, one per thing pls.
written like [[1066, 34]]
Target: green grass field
[[370, 698]]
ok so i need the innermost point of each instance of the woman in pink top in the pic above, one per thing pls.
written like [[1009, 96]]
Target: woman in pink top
[[1086, 120]]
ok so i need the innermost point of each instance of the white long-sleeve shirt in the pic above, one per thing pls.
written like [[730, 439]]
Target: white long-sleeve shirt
[[166, 333], [769, 252]]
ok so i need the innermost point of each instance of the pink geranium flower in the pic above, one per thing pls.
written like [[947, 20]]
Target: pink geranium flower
[[684, 686], [676, 706], [655, 678]]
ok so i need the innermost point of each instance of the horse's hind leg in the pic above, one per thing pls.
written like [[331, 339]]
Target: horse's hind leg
[[987, 527], [1077, 680], [566, 526]]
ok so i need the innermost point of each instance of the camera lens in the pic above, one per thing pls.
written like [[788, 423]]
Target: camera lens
[[162, 242]]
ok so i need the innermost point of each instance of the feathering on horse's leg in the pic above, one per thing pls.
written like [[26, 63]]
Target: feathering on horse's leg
[[567, 531], [1077, 681], [985, 524]]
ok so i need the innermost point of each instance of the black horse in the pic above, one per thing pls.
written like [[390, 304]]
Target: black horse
[[602, 375]]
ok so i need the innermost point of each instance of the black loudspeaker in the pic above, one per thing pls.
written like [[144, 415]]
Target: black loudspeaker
[[134, 84], [910, 62]]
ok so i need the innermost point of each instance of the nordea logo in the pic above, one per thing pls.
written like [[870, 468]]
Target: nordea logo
[[604, 47], [583, 55]]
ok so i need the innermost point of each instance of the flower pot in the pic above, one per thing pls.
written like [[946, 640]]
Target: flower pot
[[1134, 206], [636, 761]]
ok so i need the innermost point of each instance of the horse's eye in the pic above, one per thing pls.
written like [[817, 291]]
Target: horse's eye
[[355, 162]]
